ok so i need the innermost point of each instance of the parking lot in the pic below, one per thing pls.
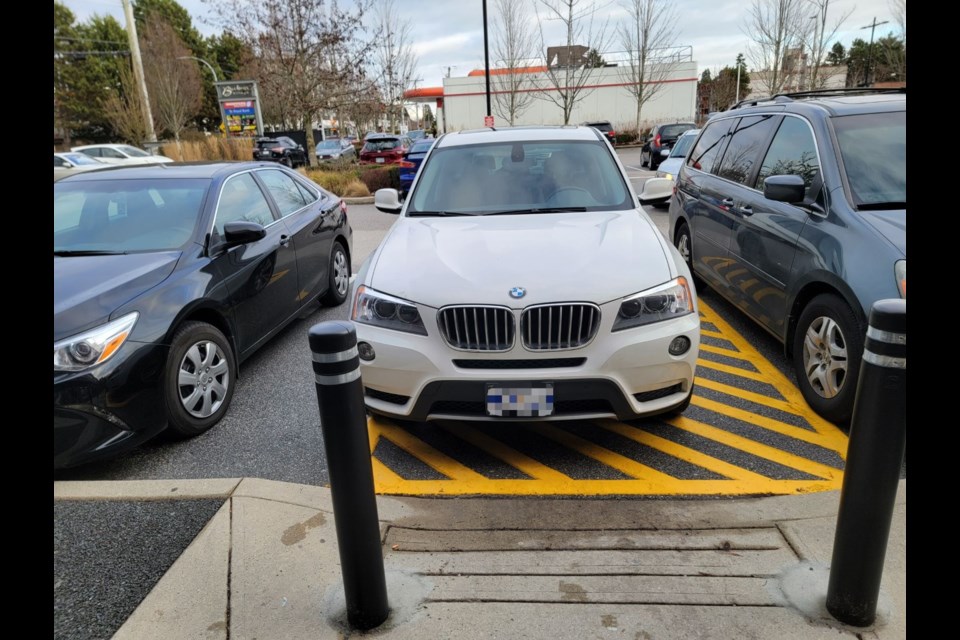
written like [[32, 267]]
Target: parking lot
[[747, 431]]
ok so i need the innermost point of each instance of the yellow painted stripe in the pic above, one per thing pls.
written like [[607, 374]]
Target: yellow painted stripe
[[758, 449], [771, 374], [724, 352], [603, 455], [607, 487], [384, 476], [836, 443], [683, 452], [427, 454], [712, 334], [509, 455], [726, 368], [759, 398]]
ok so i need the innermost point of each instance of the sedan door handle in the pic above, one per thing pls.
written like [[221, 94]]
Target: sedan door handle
[[284, 240], [746, 210], [727, 202]]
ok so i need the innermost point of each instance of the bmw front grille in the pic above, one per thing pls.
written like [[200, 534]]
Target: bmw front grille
[[551, 327], [477, 328]]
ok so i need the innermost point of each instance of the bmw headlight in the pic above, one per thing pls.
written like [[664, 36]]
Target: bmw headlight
[[381, 310], [900, 270], [93, 347], [665, 302]]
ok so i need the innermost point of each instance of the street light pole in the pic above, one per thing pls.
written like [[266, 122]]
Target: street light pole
[[209, 66], [872, 26]]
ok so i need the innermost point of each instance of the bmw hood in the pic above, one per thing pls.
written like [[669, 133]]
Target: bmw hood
[[892, 225], [565, 257], [88, 289]]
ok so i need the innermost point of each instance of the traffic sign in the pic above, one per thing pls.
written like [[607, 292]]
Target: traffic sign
[[488, 121]]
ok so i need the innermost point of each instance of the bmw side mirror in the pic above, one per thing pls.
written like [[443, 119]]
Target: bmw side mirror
[[387, 200], [784, 188]]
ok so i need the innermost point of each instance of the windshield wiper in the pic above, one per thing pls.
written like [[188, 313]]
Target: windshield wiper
[[440, 213], [879, 206], [542, 210], [88, 252]]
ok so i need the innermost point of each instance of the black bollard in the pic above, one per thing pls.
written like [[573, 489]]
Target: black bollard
[[343, 421], [878, 438]]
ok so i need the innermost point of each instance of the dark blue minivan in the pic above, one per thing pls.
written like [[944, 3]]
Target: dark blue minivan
[[794, 208]]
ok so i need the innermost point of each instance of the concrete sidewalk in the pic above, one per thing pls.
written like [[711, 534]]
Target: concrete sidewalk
[[266, 567]]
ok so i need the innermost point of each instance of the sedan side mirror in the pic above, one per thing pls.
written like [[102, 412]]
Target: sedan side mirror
[[784, 188], [242, 232], [387, 200]]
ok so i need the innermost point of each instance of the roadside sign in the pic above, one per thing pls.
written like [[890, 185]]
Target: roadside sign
[[488, 121]]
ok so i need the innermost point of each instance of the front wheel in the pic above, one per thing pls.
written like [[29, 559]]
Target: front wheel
[[827, 348], [684, 244], [198, 380]]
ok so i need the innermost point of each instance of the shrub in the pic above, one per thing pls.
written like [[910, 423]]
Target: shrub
[[355, 189], [333, 180], [209, 148], [380, 178], [627, 136]]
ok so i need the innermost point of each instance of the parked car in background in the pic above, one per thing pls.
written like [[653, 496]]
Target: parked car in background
[[68, 163], [794, 209], [384, 148], [120, 154], [657, 145], [165, 280], [411, 163], [550, 295], [417, 134], [336, 150], [670, 167], [604, 127], [281, 149]]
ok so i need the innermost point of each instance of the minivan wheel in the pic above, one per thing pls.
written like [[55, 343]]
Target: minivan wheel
[[827, 348], [684, 244], [198, 380]]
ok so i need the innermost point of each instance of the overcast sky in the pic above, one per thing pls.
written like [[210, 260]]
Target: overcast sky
[[449, 33]]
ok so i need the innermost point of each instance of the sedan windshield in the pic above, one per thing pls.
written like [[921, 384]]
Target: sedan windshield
[[329, 144], [119, 216], [133, 152], [79, 158], [526, 177], [874, 151]]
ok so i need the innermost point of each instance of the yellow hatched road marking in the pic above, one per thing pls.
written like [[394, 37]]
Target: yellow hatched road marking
[[724, 352], [726, 368], [712, 334], [425, 453], [682, 452], [759, 398], [758, 449], [621, 463], [510, 456]]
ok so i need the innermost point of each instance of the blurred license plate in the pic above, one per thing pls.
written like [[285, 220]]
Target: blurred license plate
[[532, 401], [380, 160]]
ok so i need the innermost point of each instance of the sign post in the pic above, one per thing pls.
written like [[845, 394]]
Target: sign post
[[240, 108]]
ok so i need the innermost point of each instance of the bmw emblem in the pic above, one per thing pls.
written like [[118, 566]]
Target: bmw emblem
[[518, 292]]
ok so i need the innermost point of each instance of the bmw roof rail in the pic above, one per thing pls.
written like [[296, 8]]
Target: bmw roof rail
[[820, 93]]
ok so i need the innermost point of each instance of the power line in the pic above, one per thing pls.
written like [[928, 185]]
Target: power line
[[89, 40]]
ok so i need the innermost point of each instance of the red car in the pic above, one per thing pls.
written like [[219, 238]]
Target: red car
[[384, 148]]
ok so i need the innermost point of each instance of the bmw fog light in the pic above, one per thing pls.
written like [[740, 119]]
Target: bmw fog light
[[365, 349], [679, 346]]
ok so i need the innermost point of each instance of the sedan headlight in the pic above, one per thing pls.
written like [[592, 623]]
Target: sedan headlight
[[381, 310], [93, 347], [900, 269], [665, 302]]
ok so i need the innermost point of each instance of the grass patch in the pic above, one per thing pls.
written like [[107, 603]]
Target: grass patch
[[210, 148]]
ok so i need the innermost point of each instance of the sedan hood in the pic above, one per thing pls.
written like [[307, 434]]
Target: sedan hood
[[596, 257], [892, 225], [87, 289]]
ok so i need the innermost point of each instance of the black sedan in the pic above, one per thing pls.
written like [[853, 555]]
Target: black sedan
[[166, 279], [281, 149]]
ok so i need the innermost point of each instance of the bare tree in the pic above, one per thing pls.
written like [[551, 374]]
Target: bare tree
[[820, 42], [124, 109], [513, 47], [646, 36], [776, 31], [175, 85], [393, 57], [568, 73], [308, 53]]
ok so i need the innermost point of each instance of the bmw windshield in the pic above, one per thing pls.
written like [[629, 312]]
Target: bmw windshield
[[520, 177], [874, 151]]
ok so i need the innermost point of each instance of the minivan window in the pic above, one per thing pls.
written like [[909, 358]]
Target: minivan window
[[792, 152], [747, 142], [874, 151], [708, 146]]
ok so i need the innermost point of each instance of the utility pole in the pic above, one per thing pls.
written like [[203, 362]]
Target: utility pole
[[486, 56], [872, 26], [138, 69]]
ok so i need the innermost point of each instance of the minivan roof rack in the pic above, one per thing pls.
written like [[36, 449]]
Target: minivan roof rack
[[819, 93]]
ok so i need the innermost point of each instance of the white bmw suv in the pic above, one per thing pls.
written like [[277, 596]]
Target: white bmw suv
[[522, 281]]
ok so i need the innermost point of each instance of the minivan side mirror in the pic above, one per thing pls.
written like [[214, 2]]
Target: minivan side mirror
[[784, 188]]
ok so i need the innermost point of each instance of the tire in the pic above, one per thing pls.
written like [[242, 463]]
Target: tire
[[338, 277], [644, 162], [827, 348], [194, 403], [683, 241]]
